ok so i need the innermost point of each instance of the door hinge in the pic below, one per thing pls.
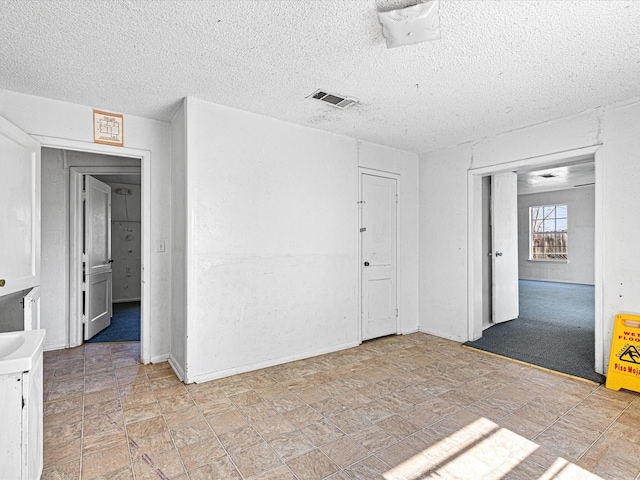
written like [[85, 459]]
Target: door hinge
[[396, 312], [24, 402], [83, 257], [363, 230], [396, 198], [84, 319], [84, 286], [84, 195]]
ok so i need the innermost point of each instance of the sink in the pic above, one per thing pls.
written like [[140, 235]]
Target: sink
[[19, 350], [9, 343]]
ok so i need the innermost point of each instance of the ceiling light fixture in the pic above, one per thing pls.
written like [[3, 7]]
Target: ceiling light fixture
[[338, 101], [406, 26]]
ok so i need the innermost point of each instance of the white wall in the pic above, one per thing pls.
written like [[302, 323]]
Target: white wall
[[621, 202], [273, 255], [51, 118], [179, 278], [443, 242], [54, 274], [443, 201], [580, 267], [55, 231], [405, 164], [12, 312]]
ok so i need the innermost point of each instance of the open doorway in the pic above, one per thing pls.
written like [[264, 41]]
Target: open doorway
[[480, 274], [66, 165], [93, 306], [554, 324], [125, 259]]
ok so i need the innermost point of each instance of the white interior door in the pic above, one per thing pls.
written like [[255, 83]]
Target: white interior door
[[19, 210], [97, 257], [378, 237], [504, 240]]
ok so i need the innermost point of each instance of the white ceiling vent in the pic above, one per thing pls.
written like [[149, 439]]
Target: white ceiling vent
[[338, 101]]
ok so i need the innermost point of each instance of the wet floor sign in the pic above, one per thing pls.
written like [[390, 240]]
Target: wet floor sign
[[624, 361]]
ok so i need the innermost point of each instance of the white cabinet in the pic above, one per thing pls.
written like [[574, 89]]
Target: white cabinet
[[21, 417]]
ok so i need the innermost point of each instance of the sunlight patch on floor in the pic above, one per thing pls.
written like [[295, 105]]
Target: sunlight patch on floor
[[482, 449], [564, 469]]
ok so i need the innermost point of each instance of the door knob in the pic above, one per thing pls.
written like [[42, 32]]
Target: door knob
[[366, 264], [498, 254]]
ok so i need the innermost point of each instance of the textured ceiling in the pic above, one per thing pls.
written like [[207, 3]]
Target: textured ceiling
[[500, 65]]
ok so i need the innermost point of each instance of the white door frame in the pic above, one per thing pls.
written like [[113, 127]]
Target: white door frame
[[395, 176], [474, 236], [75, 265]]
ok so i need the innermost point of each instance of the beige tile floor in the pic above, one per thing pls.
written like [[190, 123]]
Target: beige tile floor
[[402, 407]]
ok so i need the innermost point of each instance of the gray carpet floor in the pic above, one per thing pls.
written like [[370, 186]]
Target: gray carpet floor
[[555, 329], [125, 324]]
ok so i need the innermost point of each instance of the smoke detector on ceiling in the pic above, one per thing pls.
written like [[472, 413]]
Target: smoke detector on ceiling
[[338, 101], [406, 26]]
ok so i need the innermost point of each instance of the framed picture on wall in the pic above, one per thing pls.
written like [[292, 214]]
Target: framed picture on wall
[[108, 128]]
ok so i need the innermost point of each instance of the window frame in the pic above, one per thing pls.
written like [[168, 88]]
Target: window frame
[[555, 232]]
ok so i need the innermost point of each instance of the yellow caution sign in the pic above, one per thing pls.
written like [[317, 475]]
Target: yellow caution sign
[[624, 361]]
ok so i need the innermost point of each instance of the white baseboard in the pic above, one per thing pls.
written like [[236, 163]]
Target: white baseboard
[[269, 363], [410, 331], [549, 280], [176, 368], [60, 346], [160, 358], [125, 300], [455, 338]]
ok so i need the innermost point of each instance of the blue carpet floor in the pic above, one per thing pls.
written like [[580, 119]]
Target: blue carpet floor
[[555, 329], [125, 325]]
